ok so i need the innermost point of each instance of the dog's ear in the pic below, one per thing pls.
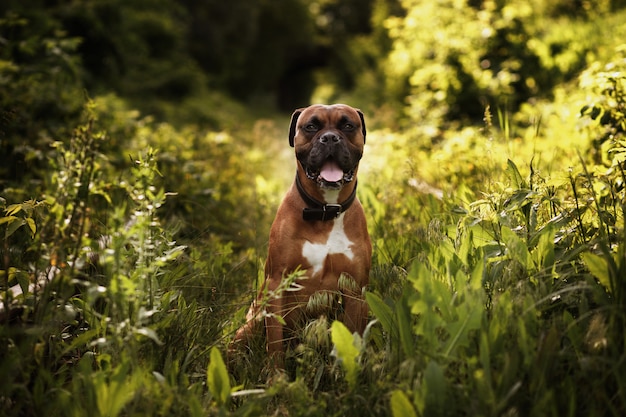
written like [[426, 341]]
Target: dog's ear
[[293, 125], [362, 123]]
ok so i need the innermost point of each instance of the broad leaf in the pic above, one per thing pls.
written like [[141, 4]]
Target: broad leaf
[[401, 406], [347, 352], [217, 378], [403, 317], [517, 249], [514, 174], [544, 252], [599, 268], [435, 389], [381, 311]]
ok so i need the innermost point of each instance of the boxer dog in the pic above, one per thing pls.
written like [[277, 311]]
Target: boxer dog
[[319, 231]]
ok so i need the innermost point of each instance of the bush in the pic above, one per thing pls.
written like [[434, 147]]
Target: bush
[[449, 60], [40, 93], [497, 281]]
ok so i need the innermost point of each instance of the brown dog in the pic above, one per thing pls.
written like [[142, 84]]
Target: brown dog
[[319, 229]]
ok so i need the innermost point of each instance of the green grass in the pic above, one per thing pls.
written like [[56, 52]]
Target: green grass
[[497, 286]]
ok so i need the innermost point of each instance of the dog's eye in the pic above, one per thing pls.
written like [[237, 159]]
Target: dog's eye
[[348, 126], [310, 127]]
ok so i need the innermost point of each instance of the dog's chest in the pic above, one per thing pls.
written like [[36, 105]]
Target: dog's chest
[[337, 243]]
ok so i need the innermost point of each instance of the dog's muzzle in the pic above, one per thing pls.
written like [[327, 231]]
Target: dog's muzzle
[[330, 175], [330, 163]]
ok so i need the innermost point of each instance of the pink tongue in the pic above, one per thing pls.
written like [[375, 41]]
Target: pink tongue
[[331, 172]]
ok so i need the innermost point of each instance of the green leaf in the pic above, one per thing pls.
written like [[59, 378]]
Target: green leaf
[[13, 209], [347, 352], [517, 249], [430, 303], [114, 390], [217, 378], [544, 252], [403, 317], [518, 199], [8, 219], [401, 406], [470, 313], [381, 311], [515, 175], [477, 276], [23, 279], [13, 226], [149, 333], [435, 389], [31, 225], [599, 268]]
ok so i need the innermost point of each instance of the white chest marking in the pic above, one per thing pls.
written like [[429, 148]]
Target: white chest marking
[[337, 243]]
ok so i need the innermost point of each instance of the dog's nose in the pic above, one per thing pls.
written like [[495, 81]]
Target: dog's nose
[[329, 138]]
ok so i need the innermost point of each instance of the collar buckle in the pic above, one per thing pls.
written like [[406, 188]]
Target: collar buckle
[[333, 210]]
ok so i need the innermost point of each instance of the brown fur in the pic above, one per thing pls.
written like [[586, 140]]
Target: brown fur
[[289, 233]]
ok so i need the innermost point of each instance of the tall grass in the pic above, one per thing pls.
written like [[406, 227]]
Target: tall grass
[[500, 293]]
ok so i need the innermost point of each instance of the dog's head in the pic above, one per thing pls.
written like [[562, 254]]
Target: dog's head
[[328, 140]]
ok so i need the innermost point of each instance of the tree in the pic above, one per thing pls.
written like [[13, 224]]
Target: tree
[[40, 88]]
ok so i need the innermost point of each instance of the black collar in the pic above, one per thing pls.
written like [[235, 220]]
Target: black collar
[[321, 211]]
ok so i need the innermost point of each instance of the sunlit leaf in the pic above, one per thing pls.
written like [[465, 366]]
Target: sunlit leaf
[[401, 406], [217, 378], [114, 393], [31, 225], [598, 267], [347, 352], [149, 333], [8, 219], [13, 209], [514, 174]]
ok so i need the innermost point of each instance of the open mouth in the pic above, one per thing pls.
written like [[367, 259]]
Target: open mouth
[[330, 175]]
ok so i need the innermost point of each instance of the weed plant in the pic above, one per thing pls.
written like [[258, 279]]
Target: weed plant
[[498, 283]]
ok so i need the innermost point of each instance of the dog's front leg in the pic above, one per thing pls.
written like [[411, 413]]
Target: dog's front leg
[[355, 312], [274, 327]]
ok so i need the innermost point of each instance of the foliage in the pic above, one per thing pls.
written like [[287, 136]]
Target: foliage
[[40, 91], [132, 241], [450, 59], [608, 112]]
